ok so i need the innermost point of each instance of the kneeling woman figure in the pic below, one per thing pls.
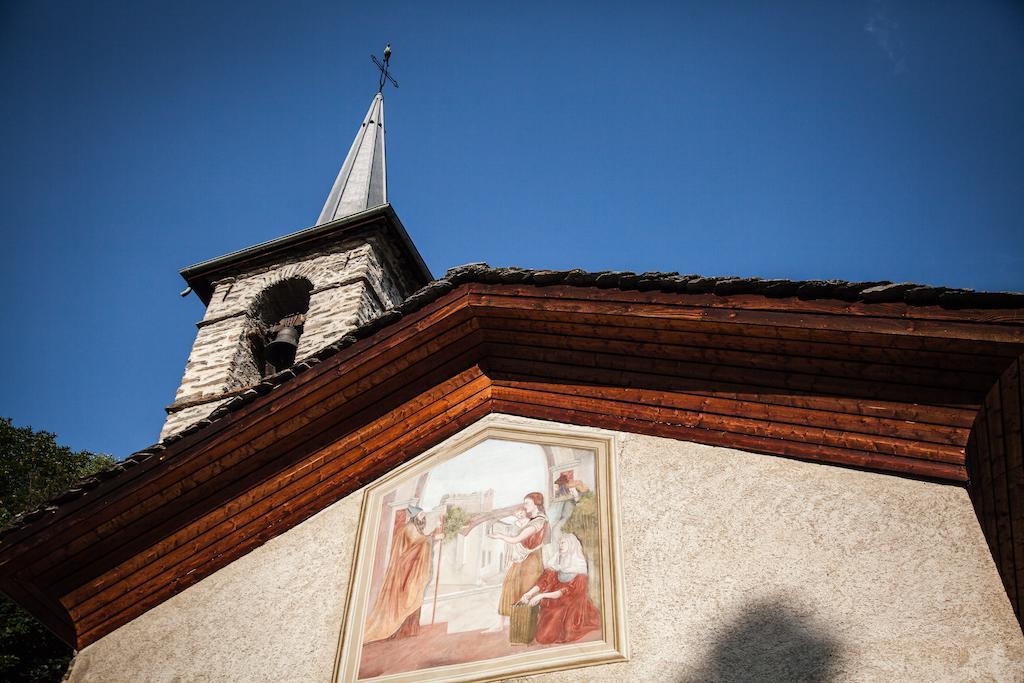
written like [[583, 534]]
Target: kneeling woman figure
[[566, 612]]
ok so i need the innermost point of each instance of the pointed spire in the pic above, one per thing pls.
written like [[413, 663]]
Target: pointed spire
[[362, 182]]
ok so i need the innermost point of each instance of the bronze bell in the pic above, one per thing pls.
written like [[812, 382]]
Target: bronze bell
[[281, 351]]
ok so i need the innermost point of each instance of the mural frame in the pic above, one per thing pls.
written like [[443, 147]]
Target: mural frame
[[613, 647]]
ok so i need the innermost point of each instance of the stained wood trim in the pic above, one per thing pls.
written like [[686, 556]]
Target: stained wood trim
[[683, 433], [292, 513], [1009, 321], [647, 304], [260, 458], [783, 380], [32, 597], [609, 318], [234, 431], [1012, 393], [712, 404], [994, 459], [338, 463], [949, 382], [757, 339], [205, 531], [555, 351], [927, 416], [768, 441], [369, 408]]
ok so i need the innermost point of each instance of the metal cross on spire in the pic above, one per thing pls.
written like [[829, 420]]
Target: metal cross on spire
[[385, 75]]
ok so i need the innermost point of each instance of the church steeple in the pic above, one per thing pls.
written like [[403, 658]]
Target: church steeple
[[362, 182], [279, 302]]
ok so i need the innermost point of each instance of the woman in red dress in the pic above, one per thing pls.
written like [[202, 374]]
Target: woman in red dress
[[566, 612]]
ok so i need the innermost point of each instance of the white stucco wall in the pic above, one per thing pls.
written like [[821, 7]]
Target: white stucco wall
[[737, 566]]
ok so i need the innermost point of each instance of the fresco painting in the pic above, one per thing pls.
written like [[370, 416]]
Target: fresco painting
[[492, 555]]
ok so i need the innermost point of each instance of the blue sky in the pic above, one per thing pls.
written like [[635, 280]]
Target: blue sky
[[851, 140]]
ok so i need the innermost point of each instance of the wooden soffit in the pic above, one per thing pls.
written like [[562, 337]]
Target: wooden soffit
[[890, 387]]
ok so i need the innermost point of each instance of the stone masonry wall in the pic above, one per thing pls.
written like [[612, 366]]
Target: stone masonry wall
[[352, 283]]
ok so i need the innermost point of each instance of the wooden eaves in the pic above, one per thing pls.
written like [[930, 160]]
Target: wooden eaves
[[890, 378]]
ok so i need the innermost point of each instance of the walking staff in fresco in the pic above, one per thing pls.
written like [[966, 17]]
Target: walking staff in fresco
[[526, 562], [396, 614]]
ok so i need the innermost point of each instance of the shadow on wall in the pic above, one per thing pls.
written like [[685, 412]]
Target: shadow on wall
[[770, 642]]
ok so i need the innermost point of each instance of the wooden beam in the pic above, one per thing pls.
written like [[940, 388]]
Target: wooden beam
[[886, 387]]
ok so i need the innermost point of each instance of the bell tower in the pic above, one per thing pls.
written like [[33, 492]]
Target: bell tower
[[276, 303]]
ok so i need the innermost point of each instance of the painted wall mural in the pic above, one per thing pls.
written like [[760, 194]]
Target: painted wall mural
[[492, 557]]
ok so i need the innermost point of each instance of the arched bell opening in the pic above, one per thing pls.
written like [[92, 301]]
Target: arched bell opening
[[277, 320]]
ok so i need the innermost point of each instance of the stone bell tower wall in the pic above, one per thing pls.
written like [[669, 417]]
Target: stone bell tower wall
[[352, 282]]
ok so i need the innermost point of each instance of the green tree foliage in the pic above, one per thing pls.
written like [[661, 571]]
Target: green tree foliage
[[455, 519], [34, 468]]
